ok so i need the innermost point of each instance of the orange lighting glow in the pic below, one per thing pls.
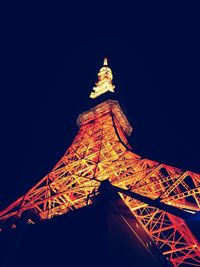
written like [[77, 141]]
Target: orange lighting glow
[[101, 151]]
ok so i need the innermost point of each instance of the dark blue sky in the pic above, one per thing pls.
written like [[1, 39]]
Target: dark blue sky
[[51, 55]]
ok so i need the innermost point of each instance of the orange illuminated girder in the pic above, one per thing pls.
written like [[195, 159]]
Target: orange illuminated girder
[[101, 151]]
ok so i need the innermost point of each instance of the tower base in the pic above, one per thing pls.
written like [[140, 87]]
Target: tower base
[[103, 234]]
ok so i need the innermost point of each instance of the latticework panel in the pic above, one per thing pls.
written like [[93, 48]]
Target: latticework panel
[[101, 151]]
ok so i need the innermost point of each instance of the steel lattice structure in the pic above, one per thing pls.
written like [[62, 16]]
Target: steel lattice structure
[[100, 151]]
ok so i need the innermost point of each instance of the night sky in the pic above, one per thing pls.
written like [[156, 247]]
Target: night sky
[[50, 58]]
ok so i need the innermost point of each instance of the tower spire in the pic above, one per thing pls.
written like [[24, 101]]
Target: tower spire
[[104, 83], [105, 62]]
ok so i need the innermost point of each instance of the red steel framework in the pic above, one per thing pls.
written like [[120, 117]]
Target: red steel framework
[[100, 151]]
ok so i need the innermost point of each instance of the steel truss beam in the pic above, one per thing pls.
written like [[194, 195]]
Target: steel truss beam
[[101, 151]]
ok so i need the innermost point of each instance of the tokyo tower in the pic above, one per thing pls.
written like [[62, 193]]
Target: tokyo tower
[[161, 198]]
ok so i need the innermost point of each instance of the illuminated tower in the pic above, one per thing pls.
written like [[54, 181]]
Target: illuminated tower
[[158, 195]]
